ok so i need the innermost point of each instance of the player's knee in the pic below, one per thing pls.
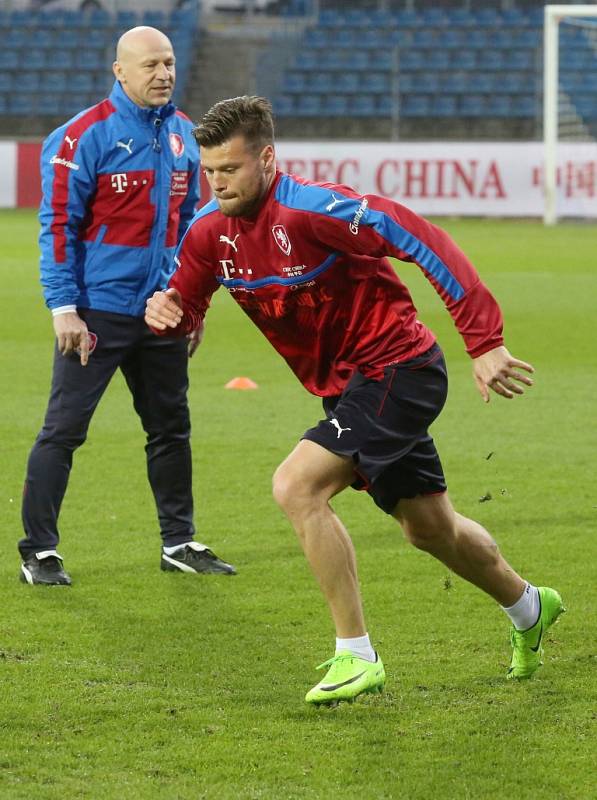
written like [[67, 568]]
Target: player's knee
[[428, 537], [291, 490], [283, 486]]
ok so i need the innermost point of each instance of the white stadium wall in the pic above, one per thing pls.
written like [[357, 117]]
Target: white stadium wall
[[497, 179]]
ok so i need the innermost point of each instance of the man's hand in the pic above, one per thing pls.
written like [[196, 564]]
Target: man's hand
[[163, 310], [194, 339], [497, 370], [71, 333]]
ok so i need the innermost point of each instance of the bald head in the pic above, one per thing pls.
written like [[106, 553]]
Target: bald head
[[145, 66]]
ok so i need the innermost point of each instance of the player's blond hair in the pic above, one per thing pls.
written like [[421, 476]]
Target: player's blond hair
[[249, 116]]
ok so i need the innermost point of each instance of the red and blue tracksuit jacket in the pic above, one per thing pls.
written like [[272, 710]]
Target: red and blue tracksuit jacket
[[120, 184]]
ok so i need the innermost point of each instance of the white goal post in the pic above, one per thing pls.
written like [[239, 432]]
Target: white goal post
[[552, 18]]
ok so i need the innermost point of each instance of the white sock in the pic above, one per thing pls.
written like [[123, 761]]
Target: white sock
[[360, 646], [525, 611], [171, 550]]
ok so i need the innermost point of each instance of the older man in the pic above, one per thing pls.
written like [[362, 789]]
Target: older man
[[120, 184]]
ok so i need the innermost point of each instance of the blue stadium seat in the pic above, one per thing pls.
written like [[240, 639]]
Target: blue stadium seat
[[455, 82], [585, 106], [307, 60], [411, 60], [34, 59], [54, 82], [472, 105], [415, 106], [427, 83], [21, 105], [10, 59], [284, 105], [492, 59], [28, 82], [316, 37], [461, 18], [97, 19], [294, 82], [453, 38], [484, 82], [408, 19], [3, 105], [464, 59], [336, 105], [384, 61], [499, 106], [526, 38], [438, 60], [443, 106], [378, 18], [71, 104], [97, 39], [478, 39], [81, 82], [309, 105], [19, 37], [385, 106], [156, 19], [524, 106], [90, 60], [320, 82], [363, 105], [407, 82], [512, 82], [374, 39], [488, 18], [346, 38], [61, 59], [521, 59], [330, 18], [49, 105], [513, 18], [425, 37], [434, 17], [126, 19], [375, 83], [356, 18], [347, 83], [6, 82]]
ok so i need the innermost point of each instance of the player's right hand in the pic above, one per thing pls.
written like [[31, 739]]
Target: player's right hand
[[163, 310], [71, 334]]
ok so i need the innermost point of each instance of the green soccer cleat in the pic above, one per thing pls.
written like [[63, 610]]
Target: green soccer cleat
[[348, 676], [528, 645]]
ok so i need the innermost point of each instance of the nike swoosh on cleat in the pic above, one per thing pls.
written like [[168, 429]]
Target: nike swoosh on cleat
[[538, 645], [344, 683]]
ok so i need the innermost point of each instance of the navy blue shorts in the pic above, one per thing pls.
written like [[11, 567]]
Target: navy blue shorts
[[383, 426]]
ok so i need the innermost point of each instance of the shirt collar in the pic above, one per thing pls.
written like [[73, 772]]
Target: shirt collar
[[125, 105]]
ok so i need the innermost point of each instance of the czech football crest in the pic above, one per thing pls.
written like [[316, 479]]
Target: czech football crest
[[282, 239], [176, 144]]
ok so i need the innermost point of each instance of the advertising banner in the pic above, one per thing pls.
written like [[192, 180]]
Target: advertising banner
[[487, 179]]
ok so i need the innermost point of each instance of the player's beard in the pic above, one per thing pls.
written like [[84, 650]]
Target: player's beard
[[248, 206]]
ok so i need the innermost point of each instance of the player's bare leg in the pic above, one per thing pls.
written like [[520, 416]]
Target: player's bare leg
[[431, 524], [303, 485]]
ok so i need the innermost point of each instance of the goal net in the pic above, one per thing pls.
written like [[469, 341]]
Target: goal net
[[570, 111]]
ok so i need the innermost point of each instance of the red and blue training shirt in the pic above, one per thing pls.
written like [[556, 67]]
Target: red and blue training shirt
[[311, 271]]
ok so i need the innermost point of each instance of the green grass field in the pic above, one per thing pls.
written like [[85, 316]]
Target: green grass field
[[137, 684]]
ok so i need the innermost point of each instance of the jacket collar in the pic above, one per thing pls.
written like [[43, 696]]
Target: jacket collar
[[124, 105]]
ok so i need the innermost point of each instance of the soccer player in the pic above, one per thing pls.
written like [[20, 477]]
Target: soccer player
[[307, 263], [120, 186]]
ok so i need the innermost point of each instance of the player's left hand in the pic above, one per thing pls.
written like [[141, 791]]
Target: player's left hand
[[194, 339], [497, 370]]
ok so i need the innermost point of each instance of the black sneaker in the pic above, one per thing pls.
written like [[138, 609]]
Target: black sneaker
[[195, 557], [45, 568]]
